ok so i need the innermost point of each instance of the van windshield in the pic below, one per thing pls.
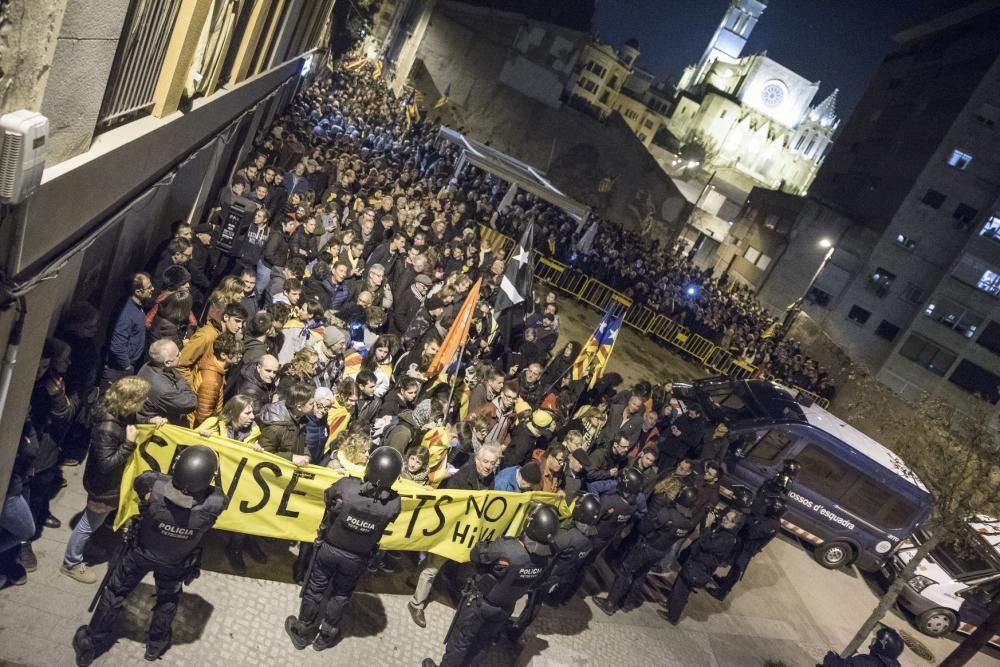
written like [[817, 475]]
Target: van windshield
[[726, 400], [967, 556]]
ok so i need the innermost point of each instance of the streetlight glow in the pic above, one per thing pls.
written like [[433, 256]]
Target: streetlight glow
[[825, 243]]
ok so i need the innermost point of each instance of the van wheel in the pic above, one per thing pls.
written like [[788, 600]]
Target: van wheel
[[937, 622], [834, 555]]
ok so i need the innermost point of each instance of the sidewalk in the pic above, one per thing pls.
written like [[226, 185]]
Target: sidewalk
[[786, 608]]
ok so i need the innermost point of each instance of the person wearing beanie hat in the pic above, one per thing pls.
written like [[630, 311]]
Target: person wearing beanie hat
[[331, 356], [174, 277], [519, 478]]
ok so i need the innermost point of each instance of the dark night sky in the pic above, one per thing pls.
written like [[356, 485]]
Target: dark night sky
[[839, 42]]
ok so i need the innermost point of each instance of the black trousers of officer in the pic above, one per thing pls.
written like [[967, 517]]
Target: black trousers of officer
[[126, 576], [637, 563], [474, 628], [336, 571], [739, 566], [679, 594]]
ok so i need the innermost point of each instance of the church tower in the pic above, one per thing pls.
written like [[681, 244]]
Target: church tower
[[729, 39]]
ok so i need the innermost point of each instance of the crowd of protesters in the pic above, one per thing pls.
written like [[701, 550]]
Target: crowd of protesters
[[309, 334]]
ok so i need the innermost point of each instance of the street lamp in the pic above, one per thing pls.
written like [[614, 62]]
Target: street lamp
[[795, 307]]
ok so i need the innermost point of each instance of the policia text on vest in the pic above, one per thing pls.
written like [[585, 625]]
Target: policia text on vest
[[270, 497]]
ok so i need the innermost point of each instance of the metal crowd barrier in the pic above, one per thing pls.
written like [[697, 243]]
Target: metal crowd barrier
[[641, 318]]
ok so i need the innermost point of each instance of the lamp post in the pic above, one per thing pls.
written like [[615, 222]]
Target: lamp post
[[795, 307]]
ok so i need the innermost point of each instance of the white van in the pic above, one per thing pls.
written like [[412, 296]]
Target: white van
[[958, 584]]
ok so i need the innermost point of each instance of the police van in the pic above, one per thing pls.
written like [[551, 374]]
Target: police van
[[853, 499], [957, 585]]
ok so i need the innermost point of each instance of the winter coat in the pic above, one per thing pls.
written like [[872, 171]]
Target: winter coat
[[280, 432], [108, 454], [209, 383], [316, 436], [252, 386], [220, 428], [404, 312], [198, 346], [128, 338], [170, 395]]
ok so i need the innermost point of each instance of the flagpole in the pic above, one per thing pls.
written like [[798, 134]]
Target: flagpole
[[454, 381]]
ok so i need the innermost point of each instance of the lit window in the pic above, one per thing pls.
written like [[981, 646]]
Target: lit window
[[989, 282], [992, 228], [763, 262], [904, 241], [752, 254], [959, 160], [954, 315], [880, 281]]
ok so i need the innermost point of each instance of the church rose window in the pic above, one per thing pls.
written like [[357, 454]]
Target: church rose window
[[772, 95]]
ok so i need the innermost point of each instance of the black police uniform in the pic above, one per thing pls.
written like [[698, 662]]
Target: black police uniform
[[861, 660], [168, 536], [348, 542], [512, 572], [570, 550], [710, 551], [658, 530], [617, 512], [754, 535]]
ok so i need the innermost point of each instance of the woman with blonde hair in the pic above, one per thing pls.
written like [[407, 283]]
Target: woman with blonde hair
[[352, 454], [236, 422], [112, 441], [301, 369]]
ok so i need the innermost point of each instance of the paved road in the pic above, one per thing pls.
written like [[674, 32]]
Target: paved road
[[786, 608]]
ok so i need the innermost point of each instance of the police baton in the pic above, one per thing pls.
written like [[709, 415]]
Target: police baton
[[467, 592], [128, 538]]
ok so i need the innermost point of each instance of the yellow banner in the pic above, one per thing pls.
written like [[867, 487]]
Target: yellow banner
[[270, 497]]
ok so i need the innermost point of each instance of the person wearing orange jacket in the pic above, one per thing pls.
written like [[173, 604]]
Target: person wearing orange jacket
[[210, 375]]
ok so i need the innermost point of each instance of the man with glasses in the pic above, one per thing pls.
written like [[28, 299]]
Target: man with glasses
[[476, 475], [170, 396], [552, 462], [499, 412]]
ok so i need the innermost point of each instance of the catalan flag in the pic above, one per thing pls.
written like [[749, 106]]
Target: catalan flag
[[377, 74], [593, 358], [443, 100], [355, 65]]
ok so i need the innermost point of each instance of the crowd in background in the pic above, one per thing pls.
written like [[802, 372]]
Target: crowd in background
[[302, 317]]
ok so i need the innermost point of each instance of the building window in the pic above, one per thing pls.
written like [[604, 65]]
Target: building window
[[880, 282], [596, 69], [987, 114], [819, 297], [954, 316], [906, 242], [751, 254], [809, 147], [933, 198], [798, 143], [588, 85], [642, 136], [977, 273], [959, 160], [648, 123], [976, 380], [992, 228], [933, 357], [964, 214], [771, 221], [604, 97], [887, 330], [990, 338], [763, 262], [912, 293], [858, 315], [722, 114], [614, 82]]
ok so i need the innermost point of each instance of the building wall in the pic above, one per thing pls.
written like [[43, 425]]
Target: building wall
[[97, 214]]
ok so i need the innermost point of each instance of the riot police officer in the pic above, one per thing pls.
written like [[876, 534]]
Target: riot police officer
[[713, 548], [175, 513], [510, 567], [615, 514], [357, 513], [884, 651], [778, 486], [570, 549], [661, 527], [755, 534]]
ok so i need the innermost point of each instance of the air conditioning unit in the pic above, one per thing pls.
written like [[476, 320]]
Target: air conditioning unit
[[22, 154]]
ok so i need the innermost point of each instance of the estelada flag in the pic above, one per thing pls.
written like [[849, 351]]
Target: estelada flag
[[593, 358], [457, 334]]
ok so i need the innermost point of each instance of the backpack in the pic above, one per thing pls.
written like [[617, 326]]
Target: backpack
[[393, 427]]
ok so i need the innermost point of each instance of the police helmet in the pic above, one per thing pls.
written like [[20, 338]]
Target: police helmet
[[542, 525], [887, 644], [687, 497], [194, 470], [742, 498], [629, 482], [587, 509], [791, 467], [383, 467], [774, 506]]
